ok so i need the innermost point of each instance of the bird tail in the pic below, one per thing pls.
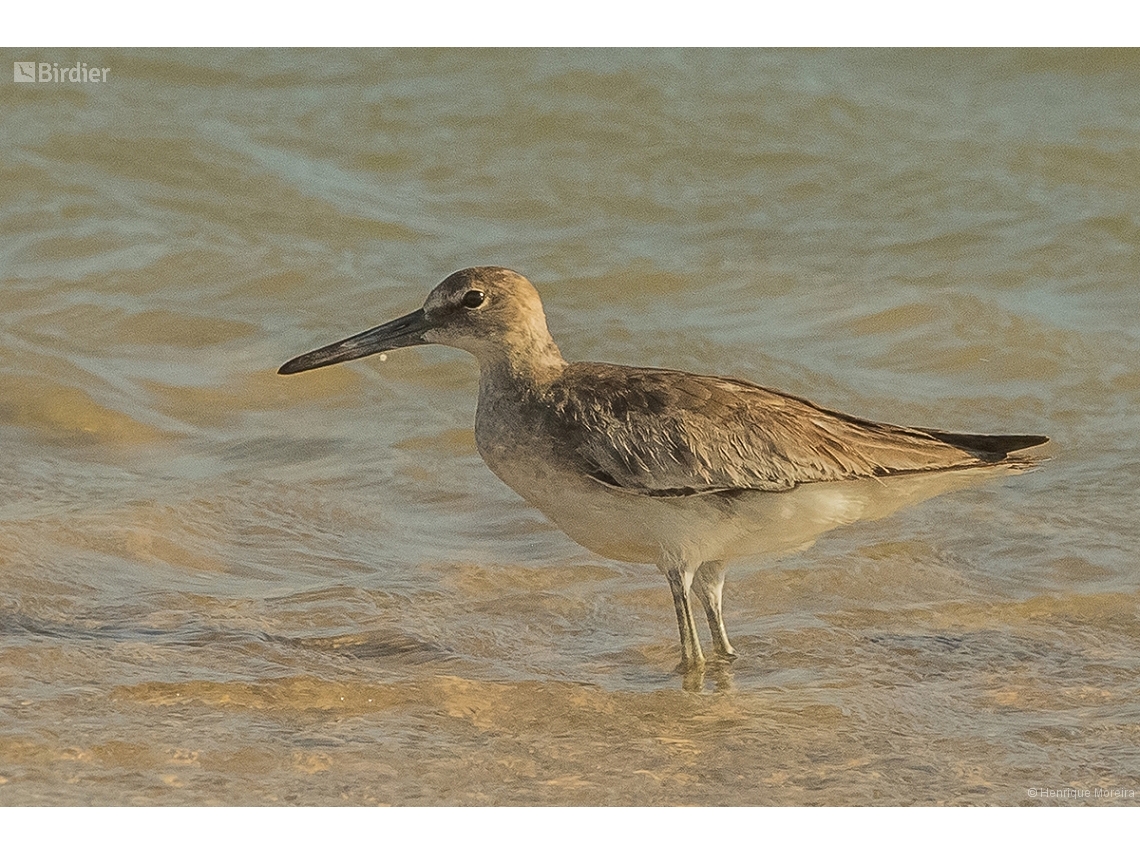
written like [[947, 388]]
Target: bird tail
[[992, 448]]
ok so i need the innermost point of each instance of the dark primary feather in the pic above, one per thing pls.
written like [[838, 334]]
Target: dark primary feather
[[670, 433], [989, 447]]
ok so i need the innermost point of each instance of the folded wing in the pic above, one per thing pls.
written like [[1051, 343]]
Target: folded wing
[[670, 433]]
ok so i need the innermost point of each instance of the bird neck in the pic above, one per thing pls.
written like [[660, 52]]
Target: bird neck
[[528, 364]]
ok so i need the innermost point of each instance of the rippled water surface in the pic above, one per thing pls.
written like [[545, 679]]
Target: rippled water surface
[[220, 586]]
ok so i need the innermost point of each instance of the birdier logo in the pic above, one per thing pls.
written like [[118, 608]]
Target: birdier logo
[[51, 72]]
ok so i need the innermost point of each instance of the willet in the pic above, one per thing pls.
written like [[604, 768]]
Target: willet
[[654, 466]]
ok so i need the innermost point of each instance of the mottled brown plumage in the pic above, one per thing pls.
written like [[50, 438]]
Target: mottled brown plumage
[[661, 432]]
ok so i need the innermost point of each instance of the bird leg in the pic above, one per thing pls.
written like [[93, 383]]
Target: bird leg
[[709, 585], [680, 580]]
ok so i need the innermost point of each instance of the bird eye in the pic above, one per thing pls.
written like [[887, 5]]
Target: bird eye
[[473, 299]]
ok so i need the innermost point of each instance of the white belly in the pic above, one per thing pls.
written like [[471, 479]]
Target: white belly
[[644, 529]]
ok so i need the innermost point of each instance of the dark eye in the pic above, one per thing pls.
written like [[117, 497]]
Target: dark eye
[[473, 299]]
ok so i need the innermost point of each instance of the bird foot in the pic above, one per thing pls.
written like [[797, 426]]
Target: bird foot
[[690, 666]]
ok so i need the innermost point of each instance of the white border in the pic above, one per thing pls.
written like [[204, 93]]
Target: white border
[[59, 23]]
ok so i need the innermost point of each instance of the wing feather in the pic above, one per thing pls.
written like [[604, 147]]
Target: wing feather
[[671, 433]]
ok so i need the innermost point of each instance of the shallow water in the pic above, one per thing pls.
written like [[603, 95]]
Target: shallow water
[[222, 586]]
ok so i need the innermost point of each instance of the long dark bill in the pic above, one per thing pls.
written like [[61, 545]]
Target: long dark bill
[[402, 332]]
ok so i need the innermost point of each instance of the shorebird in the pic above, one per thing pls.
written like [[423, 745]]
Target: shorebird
[[654, 466]]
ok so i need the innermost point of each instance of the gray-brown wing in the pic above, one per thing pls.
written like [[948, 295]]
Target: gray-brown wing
[[660, 432]]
